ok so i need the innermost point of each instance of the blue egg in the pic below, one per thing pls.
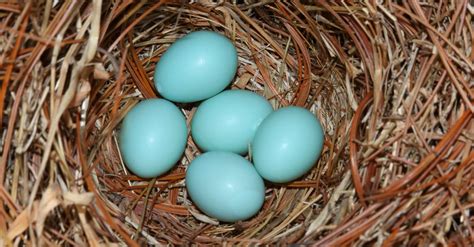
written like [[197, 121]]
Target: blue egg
[[225, 186], [228, 121], [196, 67], [287, 144], [152, 137]]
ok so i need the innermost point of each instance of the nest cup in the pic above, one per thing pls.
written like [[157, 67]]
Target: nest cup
[[276, 63], [391, 84], [273, 62]]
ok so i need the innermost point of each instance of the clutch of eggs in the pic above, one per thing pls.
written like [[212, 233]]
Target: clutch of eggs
[[285, 144]]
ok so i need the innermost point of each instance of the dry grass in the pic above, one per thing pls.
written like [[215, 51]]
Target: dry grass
[[392, 83]]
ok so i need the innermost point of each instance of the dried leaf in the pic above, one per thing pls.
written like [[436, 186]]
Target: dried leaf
[[19, 225], [82, 199], [49, 200], [100, 73]]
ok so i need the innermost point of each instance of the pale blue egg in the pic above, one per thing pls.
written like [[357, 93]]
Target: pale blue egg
[[225, 186], [196, 67], [228, 121], [287, 144], [152, 137]]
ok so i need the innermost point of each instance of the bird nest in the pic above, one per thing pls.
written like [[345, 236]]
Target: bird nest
[[391, 81]]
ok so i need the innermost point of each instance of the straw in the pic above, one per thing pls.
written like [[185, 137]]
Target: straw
[[390, 81]]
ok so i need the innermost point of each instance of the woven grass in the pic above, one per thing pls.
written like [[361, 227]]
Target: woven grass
[[391, 81]]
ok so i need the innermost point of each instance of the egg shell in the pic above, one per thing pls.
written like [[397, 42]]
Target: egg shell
[[225, 186], [152, 137], [196, 67], [287, 144], [228, 121]]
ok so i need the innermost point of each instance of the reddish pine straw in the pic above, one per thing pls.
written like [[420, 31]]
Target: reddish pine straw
[[392, 84]]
